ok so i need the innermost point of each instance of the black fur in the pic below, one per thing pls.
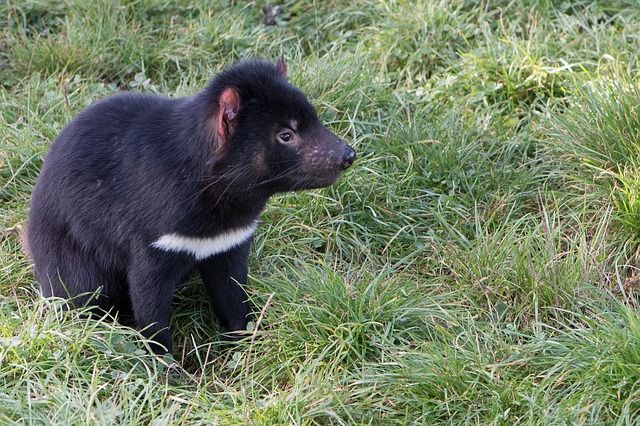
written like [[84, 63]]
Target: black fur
[[134, 167]]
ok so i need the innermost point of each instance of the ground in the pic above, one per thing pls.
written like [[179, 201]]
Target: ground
[[477, 265]]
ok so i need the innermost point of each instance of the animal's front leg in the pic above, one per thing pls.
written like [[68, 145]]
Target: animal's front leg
[[152, 281], [222, 275]]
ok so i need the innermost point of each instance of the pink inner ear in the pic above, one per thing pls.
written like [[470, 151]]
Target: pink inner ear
[[229, 103]]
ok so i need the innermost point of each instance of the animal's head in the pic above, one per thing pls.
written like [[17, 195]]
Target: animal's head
[[267, 126]]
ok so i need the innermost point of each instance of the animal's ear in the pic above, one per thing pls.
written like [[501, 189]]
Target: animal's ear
[[281, 65], [228, 107]]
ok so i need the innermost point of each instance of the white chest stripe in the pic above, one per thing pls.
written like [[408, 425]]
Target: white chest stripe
[[202, 248]]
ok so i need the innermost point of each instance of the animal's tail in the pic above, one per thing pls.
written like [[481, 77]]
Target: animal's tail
[[24, 241], [20, 232]]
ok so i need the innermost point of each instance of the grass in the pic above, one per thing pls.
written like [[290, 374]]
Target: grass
[[478, 264]]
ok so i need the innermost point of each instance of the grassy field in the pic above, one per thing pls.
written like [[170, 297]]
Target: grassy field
[[477, 265]]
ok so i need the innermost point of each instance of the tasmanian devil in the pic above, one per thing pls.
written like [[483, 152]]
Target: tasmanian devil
[[139, 190]]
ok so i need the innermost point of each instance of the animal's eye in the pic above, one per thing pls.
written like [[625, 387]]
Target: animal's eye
[[285, 136]]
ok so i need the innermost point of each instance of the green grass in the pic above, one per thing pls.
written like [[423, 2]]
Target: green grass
[[477, 265]]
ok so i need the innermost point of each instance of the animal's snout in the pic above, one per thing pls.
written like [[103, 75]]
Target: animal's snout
[[348, 157]]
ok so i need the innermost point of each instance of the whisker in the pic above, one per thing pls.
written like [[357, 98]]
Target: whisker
[[283, 174]]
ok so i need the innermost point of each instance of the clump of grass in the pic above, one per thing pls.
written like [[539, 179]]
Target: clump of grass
[[530, 271], [413, 40], [506, 74], [526, 64], [328, 27], [514, 378], [599, 138], [348, 320], [66, 367]]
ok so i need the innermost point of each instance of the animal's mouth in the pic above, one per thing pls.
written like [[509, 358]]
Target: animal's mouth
[[302, 178], [312, 180]]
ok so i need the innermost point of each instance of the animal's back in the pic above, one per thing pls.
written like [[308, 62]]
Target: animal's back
[[96, 139], [97, 157]]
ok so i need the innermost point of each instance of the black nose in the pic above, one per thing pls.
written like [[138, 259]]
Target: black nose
[[348, 158]]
